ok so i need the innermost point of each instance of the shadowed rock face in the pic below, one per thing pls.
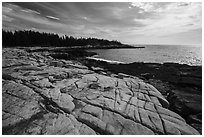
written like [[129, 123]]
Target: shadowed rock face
[[46, 96]]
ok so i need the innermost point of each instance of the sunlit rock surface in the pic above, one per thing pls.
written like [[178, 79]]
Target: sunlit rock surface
[[41, 95]]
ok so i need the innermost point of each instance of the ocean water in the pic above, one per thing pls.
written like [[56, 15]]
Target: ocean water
[[154, 53]]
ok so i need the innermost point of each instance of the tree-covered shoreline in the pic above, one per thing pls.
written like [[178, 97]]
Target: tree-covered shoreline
[[32, 39]]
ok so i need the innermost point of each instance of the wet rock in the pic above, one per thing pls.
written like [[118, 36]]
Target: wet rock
[[197, 126], [147, 75], [180, 103], [195, 118]]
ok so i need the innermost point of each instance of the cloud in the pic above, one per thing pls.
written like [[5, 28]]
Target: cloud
[[171, 18], [30, 11], [33, 28], [122, 21], [27, 16], [145, 7], [85, 18], [6, 9], [51, 17], [6, 18]]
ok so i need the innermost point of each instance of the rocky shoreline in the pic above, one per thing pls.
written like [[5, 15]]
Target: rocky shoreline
[[54, 93], [180, 84]]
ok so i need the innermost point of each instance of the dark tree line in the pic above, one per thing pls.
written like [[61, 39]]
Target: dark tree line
[[32, 38]]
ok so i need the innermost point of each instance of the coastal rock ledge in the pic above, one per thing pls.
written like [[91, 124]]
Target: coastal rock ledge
[[42, 95]]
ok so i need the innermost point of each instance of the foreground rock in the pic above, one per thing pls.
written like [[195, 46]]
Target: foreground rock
[[46, 96]]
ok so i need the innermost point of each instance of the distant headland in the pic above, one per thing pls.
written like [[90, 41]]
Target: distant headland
[[37, 39]]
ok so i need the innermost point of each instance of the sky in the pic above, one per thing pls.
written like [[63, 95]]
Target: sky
[[128, 22]]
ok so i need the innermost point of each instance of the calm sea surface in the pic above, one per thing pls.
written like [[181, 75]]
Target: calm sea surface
[[154, 53]]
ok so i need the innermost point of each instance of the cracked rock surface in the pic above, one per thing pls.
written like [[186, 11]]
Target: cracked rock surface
[[41, 95]]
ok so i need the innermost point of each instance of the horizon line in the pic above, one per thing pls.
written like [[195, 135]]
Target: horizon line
[[143, 44]]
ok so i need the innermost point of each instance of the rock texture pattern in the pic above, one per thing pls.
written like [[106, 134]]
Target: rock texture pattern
[[41, 95]]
